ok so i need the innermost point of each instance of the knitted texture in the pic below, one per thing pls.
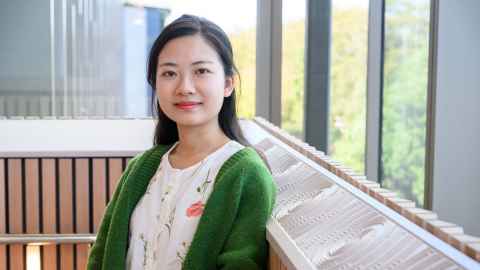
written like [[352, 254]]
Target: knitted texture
[[231, 233]]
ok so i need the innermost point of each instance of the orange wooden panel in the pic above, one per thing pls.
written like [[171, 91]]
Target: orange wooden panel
[[49, 199], [82, 255], [32, 195], [49, 257], [66, 256], [3, 254], [16, 257], [66, 196], [82, 203], [115, 172], [99, 191], [66, 210], [15, 210], [49, 215], [15, 195], [274, 261], [3, 257]]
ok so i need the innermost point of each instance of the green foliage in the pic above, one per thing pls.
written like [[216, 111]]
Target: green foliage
[[293, 64], [405, 97], [243, 44], [348, 87]]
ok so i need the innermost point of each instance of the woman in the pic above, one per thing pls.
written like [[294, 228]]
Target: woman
[[201, 197]]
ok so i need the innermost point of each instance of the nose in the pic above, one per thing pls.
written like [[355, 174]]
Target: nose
[[185, 85]]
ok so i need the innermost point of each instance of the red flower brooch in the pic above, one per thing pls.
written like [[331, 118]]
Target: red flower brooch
[[195, 209]]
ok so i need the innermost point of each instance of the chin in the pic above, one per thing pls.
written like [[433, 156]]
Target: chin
[[190, 122]]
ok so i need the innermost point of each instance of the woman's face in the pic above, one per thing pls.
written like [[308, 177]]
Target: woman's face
[[191, 82]]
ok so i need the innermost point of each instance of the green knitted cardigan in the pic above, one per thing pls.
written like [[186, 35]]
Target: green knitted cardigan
[[231, 232]]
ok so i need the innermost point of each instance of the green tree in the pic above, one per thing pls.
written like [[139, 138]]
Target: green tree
[[405, 95]]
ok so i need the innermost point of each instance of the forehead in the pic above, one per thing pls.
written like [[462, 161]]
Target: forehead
[[188, 49]]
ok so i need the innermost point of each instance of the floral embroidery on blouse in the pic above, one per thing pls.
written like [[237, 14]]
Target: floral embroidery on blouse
[[203, 187], [195, 209], [171, 218], [145, 249], [167, 190], [182, 252]]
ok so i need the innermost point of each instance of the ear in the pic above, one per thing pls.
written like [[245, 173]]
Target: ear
[[227, 91]]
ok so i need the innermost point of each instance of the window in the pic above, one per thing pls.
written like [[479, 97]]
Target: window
[[405, 97], [293, 63], [348, 82]]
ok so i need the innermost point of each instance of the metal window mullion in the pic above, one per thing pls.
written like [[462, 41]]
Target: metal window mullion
[[431, 105], [317, 72], [374, 90], [269, 60]]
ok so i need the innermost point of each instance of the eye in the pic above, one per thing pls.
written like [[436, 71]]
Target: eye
[[202, 71], [168, 74]]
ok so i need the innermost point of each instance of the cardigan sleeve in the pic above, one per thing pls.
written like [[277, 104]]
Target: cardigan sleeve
[[95, 257], [246, 246]]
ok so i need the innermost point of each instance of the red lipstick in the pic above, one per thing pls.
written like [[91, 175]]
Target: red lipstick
[[187, 105]]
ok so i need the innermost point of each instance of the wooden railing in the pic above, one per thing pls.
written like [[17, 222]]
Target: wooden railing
[[61, 195], [329, 217]]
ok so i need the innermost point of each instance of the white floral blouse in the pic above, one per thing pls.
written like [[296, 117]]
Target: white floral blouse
[[166, 217]]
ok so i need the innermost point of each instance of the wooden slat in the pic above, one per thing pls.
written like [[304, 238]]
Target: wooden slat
[[15, 195], [32, 196], [82, 255], [99, 191], [49, 214], [82, 189], [15, 210], [17, 259], [82, 205], [3, 255], [66, 211], [115, 172], [275, 263]]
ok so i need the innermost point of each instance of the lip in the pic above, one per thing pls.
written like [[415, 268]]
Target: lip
[[187, 105]]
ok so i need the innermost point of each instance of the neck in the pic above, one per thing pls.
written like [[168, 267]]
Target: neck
[[194, 140]]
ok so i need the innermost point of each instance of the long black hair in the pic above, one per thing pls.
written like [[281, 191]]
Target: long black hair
[[166, 131]]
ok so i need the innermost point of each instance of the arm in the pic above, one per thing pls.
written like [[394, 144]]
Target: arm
[[246, 247], [95, 257]]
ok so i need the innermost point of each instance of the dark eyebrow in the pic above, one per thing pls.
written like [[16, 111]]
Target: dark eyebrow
[[171, 64], [202, 62]]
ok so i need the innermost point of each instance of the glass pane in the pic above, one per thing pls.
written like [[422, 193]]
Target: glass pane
[[293, 62], [88, 58], [348, 82], [25, 62], [405, 97]]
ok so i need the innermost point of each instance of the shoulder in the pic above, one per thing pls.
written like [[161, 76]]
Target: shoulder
[[247, 169], [254, 178], [246, 160]]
